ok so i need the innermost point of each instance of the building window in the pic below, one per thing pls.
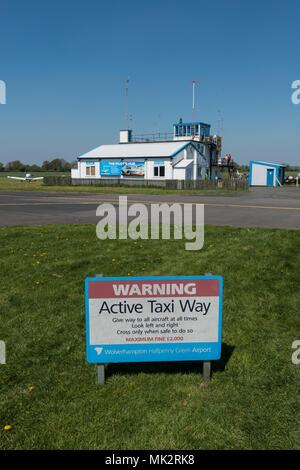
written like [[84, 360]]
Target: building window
[[90, 171], [159, 170]]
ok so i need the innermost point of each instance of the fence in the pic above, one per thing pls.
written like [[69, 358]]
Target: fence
[[57, 180], [228, 184]]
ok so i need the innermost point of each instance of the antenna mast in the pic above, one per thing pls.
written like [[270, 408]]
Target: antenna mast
[[159, 125], [220, 122], [193, 128], [127, 116]]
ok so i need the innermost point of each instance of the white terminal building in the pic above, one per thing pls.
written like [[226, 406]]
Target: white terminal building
[[190, 153]]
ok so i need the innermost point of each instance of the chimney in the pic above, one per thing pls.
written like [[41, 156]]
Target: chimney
[[125, 136]]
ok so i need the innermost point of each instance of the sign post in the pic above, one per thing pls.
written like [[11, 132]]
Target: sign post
[[148, 319], [100, 367], [207, 364]]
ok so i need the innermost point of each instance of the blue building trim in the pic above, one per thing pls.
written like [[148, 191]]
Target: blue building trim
[[250, 174], [275, 165], [84, 155], [184, 146]]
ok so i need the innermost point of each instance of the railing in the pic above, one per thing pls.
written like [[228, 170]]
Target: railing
[[220, 161], [152, 137], [164, 136]]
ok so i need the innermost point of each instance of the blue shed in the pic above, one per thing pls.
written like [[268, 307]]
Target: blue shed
[[266, 174]]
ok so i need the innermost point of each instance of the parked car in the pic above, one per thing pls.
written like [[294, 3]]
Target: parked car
[[292, 179], [289, 180]]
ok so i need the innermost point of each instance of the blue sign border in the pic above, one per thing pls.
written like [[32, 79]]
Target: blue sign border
[[160, 352]]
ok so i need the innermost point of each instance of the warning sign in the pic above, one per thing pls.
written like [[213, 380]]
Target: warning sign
[[153, 319]]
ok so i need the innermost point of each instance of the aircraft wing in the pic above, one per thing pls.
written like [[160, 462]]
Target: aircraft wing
[[16, 178], [39, 178]]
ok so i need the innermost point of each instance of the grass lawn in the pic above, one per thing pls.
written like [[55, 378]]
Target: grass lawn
[[49, 393], [34, 174], [14, 185]]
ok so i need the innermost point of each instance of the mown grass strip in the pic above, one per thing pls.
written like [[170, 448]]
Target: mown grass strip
[[49, 394]]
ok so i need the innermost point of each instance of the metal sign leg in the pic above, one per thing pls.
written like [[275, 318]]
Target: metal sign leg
[[100, 367], [100, 374], [206, 370], [207, 364]]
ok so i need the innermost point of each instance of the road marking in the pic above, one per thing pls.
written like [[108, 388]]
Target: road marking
[[92, 202]]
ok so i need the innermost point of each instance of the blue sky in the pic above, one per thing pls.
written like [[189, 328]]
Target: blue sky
[[65, 64]]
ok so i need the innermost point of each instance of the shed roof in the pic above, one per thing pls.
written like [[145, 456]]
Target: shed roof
[[267, 163]]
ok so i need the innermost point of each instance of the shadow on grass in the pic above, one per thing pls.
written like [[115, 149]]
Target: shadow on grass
[[172, 367]]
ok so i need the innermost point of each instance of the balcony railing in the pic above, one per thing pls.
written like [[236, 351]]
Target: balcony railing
[[221, 161], [163, 136], [154, 137]]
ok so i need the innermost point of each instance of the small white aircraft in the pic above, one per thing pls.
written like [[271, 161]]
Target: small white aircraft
[[27, 177]]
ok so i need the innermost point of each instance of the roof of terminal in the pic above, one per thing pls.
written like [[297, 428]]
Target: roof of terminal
[[144, 149]]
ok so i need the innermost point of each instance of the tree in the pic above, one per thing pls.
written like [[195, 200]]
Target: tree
[[58, 164], [55, 164], [15, 165], [45, 165], [34, 167]]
